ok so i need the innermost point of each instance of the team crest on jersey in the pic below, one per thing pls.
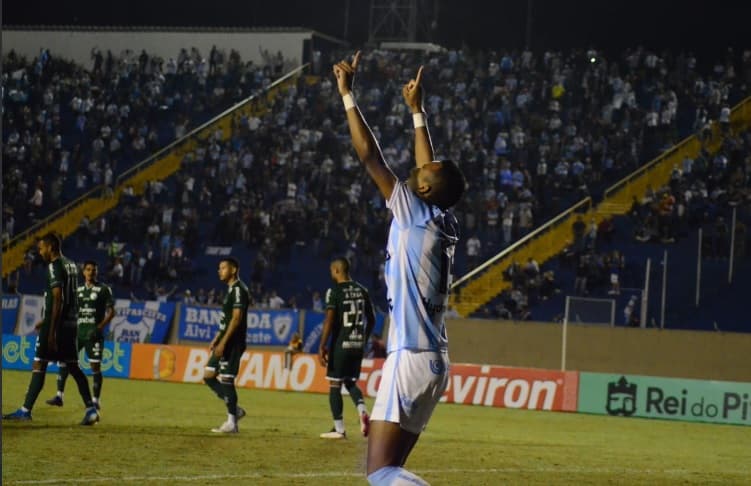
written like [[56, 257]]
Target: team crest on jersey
[[94, 295], [437, 366], [282, 324]]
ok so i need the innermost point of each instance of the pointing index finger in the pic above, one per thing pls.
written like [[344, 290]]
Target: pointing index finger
[[418, 78], [355, 60]]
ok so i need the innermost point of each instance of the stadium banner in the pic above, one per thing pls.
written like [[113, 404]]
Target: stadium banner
[[32, 309], [11, 304], [491, 386], [265, 327], [18, 354], [724, 402], [313, 327], [258, 369], [311, 331], [499, 386], [140, 322]]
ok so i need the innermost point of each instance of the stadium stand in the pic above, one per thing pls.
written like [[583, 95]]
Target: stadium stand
[[534, 132], [67, 129]]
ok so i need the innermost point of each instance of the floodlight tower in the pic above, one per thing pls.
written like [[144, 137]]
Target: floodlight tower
[[402, 20]]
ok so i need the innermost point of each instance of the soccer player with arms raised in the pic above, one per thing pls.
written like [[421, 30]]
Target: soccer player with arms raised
[[96, 308], [349, 321], [57, 330], [229, 344], [420, 252]]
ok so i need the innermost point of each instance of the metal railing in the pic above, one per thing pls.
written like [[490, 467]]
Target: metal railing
[[57, 214], [486, 282], [741, 114], [141, 165], [652, 172], [645, 168], [576, 208], [123, 179]]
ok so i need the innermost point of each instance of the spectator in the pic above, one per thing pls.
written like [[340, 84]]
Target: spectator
[[188, 298], [317, 304], [474, 247], [294, 347], [275, 302]]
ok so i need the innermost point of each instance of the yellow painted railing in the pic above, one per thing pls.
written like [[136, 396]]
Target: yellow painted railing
[[480, 286], [159, 166], [484, 283], [657, 172]]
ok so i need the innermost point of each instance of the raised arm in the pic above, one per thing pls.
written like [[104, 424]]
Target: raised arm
[[363, 140], [413, 96]]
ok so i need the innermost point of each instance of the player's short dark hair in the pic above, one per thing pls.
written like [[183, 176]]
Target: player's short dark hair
[[343, 262], [90, 262], [232, 261], [52, 239], [448, 185]]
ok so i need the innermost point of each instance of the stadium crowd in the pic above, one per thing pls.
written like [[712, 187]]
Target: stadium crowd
[[68, 128], [702, 193], [534, 132]]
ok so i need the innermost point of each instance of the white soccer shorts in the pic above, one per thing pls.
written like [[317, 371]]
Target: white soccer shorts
[[412, 383]]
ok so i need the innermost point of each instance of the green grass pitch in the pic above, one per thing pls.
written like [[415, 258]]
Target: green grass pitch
[[159, 433]]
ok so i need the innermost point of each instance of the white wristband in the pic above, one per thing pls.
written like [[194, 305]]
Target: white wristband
[[418, 119], [349, 101]]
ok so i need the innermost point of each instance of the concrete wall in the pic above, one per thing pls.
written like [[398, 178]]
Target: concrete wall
[[686, 354], [77, 44]]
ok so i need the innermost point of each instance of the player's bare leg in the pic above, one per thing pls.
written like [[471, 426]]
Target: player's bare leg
[[388, 448]]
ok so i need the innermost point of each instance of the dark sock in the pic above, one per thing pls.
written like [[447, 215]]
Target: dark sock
[[354, 392], [336, 402], [35, 386], [82, 382], [61, 378], [97, 386], [230, 399], [216, 386]]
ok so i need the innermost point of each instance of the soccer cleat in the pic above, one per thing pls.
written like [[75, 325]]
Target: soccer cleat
[[226, 428], [56, 401], [333, 434], [90, 417], [364, 423], [19, 416], [240, 413]]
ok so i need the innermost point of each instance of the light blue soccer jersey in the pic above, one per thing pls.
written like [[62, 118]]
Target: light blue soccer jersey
[[420, 252]]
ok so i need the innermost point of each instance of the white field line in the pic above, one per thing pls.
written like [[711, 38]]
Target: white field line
[[323, 474]]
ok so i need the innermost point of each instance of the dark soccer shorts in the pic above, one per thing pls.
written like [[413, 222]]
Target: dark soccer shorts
[[93, 342], [229, 364], [66, 344], [344, 365]]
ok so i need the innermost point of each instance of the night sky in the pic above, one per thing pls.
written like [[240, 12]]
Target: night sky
[[703, 27]]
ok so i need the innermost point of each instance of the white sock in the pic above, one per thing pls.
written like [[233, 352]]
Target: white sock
[[94, 399], [231, 419], [60, 394], [361, 408], [395, 476], [339, 426], [25, 409]]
